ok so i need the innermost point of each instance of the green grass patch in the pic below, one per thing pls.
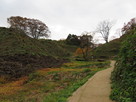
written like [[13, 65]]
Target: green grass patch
[[61, 96], [86, 64]]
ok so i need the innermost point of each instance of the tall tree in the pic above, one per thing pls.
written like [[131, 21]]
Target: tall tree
[[104, 28], [86, 44], [32, 27]]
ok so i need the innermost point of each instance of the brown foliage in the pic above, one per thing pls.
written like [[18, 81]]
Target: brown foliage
[[129, 26], [32, 27], [12, 87]]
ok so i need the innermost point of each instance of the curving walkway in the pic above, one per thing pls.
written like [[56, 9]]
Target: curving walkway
[[96, 89]]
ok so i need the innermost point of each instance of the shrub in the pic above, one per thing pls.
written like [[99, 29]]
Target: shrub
[[124, 74]]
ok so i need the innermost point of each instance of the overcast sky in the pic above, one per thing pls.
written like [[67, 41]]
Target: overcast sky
[[70, 16]]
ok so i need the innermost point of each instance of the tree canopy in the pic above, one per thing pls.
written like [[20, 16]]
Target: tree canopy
[[32, 27], [73, 40], [86, 44]]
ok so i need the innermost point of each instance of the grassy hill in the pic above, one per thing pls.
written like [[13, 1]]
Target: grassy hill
[[111, 49], [13, 42], [20, 53]]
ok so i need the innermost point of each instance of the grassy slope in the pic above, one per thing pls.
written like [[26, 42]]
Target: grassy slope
[[124, 74], [58, 48], [111, 49], [70, 48], [27, 54], [16, 42]]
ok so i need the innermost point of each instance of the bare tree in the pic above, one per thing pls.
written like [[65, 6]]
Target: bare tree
[[104, 28], [32, 27]]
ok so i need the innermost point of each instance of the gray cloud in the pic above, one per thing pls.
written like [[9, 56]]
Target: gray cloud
[[69, 16]]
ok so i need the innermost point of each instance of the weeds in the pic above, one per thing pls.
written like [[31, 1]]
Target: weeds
[[47, 85]]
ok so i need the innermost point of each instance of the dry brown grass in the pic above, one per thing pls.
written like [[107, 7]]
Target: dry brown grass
[[12, 87], [15, 86], [44, 71], [2, 79]]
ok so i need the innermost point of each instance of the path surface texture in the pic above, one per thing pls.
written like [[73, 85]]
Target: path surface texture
[[96, 89]]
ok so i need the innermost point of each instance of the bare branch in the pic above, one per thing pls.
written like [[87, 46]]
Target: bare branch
[[104, 28]]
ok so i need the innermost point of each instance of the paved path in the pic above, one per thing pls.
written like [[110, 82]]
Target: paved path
[[96, 89]]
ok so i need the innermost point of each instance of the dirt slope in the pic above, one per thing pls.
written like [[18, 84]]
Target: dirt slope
[[96, 89]]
